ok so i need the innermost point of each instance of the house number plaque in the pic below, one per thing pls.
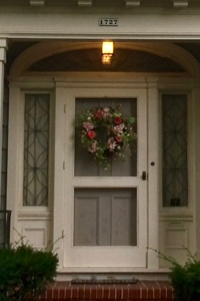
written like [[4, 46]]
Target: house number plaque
[[108, 22]]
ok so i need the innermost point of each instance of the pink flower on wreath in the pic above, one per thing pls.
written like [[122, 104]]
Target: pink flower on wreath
[[88, 126], [111, 144], [91, 134], [94, 147], [105, 112], [118, 129]]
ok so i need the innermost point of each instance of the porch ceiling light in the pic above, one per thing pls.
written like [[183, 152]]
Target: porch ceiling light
[[107, 52]]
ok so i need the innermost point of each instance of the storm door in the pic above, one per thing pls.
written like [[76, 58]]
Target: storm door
[[105, 211]]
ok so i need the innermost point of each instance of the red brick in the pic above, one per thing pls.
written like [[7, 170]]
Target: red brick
[[142, 291], [93, 292]]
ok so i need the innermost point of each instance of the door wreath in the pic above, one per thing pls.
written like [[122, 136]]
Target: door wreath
[[105, 132]]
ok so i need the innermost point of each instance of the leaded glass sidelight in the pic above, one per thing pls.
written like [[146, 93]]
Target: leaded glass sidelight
[[36, 149], [174, 138]]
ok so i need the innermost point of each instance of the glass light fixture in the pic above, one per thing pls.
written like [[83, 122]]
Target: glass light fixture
[[107, 52]]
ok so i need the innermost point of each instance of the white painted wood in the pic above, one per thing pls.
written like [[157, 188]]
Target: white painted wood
[[106, 256], [22, 216], [176, 232], [42, 50], [146, 24], [184, 215], [59, 180], [3, 46], [175, 220], [153, 173]]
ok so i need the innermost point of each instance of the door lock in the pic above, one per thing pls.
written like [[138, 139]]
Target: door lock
[[144, 176]]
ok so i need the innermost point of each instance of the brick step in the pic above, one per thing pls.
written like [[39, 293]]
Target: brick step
[[141, 291]]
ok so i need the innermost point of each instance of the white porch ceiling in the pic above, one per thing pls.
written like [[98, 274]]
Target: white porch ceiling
[[128, 3]]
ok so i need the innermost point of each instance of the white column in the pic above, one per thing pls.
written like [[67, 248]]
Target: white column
[[153, 174], [196, 162], [3, 46]]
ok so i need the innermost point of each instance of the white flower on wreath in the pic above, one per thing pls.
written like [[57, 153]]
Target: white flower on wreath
[[88, 126], [118, 129], [94, 147], [111, 144]]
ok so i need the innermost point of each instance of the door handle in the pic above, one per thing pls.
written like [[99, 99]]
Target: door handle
[[144, 176]]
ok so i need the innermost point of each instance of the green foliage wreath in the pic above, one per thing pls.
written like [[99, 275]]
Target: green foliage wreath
[[105, 132]]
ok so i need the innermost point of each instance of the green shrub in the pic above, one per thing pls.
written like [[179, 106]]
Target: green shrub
[[25, 272], [185, 279]]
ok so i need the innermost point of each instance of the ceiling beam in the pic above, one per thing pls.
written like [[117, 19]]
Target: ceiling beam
[[180, 3], [85, 2], [37, 2], [133, 3]]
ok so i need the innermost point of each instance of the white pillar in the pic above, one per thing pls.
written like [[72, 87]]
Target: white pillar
[[3, 47]]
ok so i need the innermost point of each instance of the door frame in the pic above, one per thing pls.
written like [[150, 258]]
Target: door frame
[[53, 217], [151, 91]]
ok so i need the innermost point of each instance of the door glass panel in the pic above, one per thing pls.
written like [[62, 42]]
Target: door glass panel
[[105, 217], [174, 136], [36, 149], [84, 164]]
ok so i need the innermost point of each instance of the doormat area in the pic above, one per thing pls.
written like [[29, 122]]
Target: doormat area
[[104, 281]]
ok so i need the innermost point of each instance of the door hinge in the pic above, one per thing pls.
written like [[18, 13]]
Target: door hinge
[[64, 108], [64, 165]]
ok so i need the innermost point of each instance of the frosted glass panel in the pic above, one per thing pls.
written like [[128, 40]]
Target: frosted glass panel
[[36, 150], [105, 217], [84, 164], [175, 172]]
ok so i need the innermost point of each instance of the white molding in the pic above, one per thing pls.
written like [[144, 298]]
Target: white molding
[[85, 3], [133, 3], [177, 214], [135, 24], [143, 271], [37, 2], [44, 49], [180, 3]]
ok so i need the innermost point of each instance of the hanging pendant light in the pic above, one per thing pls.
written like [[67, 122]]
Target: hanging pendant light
[[107, 52]]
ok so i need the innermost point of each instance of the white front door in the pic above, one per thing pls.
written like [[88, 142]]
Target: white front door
[[105, 212]]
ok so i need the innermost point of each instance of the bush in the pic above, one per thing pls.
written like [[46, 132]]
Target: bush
[[25, 272], [185, 279]]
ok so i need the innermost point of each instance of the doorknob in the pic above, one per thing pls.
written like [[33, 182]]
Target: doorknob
[[144, 176]]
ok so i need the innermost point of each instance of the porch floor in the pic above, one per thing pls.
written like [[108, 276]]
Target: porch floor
[[141, 291]]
